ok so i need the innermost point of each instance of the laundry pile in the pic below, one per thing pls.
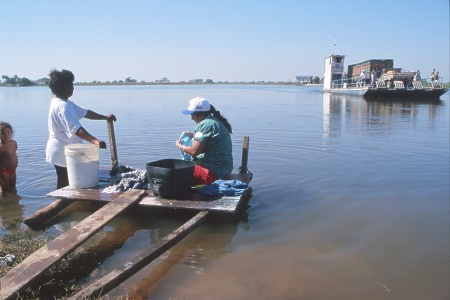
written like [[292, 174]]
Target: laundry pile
[[224, 188], [137, 179], [132, 179]]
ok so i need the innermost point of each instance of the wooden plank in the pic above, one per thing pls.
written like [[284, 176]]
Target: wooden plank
[[225, 204], [31, 269], [83, 194], [117, 276]]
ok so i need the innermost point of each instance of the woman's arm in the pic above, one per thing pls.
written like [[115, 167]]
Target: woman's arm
[[195, 149], [82, 133], [92, 115]]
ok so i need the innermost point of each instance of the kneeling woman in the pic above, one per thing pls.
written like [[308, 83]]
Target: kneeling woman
[[211, 146]]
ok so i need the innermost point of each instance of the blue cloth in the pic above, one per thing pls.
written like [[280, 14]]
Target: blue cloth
[[224, 188], [185, 140]]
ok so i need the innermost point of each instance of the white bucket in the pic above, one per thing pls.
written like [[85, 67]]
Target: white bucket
[[82, 165]]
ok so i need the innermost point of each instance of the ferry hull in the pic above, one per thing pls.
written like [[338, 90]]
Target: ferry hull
[[404, 93], [378, 93], [347, 91]]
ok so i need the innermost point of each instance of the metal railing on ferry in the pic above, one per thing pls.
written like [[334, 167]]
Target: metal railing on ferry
[[358, 82], [353, 82]]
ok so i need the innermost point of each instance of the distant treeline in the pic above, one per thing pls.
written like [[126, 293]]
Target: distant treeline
[[23, 81]]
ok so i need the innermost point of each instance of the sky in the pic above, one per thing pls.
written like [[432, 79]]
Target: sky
[[222, 40]]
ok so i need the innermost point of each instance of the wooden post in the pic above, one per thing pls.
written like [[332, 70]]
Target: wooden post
[[245, 145], [112, 147]]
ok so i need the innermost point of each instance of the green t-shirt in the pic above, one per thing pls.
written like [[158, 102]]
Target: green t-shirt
[[217, 156]]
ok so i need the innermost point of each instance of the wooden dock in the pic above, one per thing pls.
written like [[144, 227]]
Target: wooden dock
[[225, 204], [29, 271]]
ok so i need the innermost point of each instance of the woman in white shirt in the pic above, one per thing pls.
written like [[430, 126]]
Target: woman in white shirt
[[64, 123]]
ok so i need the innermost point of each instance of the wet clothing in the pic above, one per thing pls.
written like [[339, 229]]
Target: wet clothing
[[217, 156], [203, 176], [185, 140], [221, 188], [63, 122], [7, 171]]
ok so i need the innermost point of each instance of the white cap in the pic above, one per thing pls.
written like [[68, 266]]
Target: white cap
[[197, 104]]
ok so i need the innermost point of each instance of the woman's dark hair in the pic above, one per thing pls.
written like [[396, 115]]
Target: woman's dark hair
[[215, 113], [60, 81], [221, 118]]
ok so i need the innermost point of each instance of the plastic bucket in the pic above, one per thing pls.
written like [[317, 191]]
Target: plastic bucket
[[82, 165]]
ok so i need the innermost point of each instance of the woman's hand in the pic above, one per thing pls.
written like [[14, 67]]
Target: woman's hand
[[178, 144], [191, 135], [99, 143], [111, 117]]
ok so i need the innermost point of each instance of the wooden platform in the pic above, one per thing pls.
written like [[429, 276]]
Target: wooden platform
[[31, 269], [226, 204]]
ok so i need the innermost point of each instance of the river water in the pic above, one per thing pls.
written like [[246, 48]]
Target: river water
[[350, 197]]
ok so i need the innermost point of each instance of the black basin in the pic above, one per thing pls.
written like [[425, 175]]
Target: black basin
[[170, 178]]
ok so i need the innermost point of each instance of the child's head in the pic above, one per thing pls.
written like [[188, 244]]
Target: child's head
[[6, 131], [60, 82]]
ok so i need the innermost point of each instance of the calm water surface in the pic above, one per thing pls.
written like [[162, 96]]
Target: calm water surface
[[350, 197]]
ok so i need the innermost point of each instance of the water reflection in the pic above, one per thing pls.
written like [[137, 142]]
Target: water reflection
[[11, 212], [140, 228], [189, 257], [340, 111]]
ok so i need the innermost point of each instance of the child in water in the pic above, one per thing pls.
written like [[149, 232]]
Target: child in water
[[8, 159]]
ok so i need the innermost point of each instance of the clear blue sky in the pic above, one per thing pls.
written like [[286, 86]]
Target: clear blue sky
[[226, 40]]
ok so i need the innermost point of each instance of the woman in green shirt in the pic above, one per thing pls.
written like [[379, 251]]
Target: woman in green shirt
[[211, 146]]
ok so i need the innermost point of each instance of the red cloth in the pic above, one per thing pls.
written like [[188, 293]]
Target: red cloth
[[203, 176]]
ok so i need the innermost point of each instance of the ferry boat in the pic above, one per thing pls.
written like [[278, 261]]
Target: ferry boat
[[377, 78]]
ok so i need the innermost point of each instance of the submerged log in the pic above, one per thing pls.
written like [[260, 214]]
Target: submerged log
[[38, 219]]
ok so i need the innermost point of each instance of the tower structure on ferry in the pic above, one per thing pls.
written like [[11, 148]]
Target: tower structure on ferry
[[334, 70]]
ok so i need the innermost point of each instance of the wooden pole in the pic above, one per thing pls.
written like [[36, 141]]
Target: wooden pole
[[112, 147], [131, 267], [245, 145]]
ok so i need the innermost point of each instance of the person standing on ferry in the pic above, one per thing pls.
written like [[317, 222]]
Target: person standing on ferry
[[372, 78], [433, 74], [363, 78], [417, 76]]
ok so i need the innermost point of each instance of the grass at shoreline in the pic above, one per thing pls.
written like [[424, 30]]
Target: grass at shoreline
[[60, 281], [20, 245]]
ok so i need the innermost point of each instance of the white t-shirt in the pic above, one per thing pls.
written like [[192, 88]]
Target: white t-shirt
[[63, 121]]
